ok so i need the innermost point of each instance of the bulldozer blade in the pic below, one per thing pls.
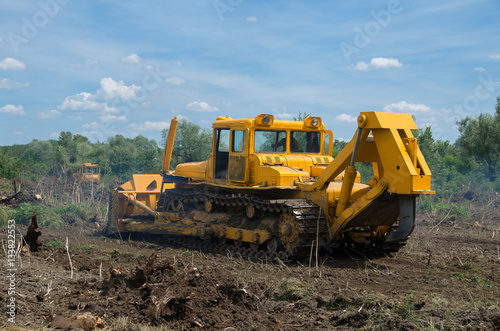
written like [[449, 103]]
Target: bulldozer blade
[[406, 220]]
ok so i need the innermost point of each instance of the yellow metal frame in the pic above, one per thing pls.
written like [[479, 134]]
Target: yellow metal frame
[[169, 145], [385, 140], [403, 164]]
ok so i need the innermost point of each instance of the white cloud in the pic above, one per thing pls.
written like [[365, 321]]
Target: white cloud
[[111, 89], [252, 19], [9, 84], [346, 118], [11, 64], [175, 81], [88, 64], [96, 135], [50, 114], [54, 135], [200, 106], [405, 107], [91, 126], [480, 69], [150, 126], [14, 110], [18, 132], [112, 118], [494, 56], [132, 58], [1, 40], [378, 63], [85, 101]]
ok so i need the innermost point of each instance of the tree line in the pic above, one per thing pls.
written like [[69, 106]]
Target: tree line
[[471, 163], [118, 157]]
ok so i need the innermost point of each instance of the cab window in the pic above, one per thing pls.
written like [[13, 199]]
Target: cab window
[[238, 141], [305, 142], [327, 144], [270, 141], [223, 141]]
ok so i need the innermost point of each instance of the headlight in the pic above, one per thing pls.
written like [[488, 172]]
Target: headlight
[[314, 121], [266, 119]]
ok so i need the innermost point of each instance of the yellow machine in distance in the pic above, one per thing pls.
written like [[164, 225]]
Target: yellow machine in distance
[[272, 185], [89, 172]]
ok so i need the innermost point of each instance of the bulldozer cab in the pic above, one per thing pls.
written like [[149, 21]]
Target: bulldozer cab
[[88, 172], [236, 143]]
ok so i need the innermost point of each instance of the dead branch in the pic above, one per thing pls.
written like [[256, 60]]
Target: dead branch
[[69, 257], [5, 200]]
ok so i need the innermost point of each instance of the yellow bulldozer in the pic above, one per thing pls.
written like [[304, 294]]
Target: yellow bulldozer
[[271, 188], [88, 172]]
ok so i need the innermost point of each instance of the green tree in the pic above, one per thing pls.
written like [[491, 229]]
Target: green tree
[[7, 167], [39, 156], [338, 145], [425, 141], [301, 116], [149, 155], [122, 157], [480, 139], [65, 139]]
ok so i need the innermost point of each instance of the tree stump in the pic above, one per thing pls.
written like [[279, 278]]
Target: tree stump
[[31, 237]]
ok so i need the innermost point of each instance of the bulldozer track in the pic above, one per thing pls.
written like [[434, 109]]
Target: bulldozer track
[[208, 246], [301, 217]]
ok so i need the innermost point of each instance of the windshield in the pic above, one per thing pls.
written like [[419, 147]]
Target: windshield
[[305, 141], [267, 141]]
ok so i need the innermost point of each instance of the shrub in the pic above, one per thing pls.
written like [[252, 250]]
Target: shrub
[[46, 215], [5, 214], [54, 244]]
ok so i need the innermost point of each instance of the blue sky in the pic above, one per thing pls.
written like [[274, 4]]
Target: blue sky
[[101, 68]]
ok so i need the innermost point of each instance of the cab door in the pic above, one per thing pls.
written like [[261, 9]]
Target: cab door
[[221, 154], [238, 155]]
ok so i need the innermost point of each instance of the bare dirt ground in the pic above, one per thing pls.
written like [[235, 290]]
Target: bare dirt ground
[[447, 277]]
